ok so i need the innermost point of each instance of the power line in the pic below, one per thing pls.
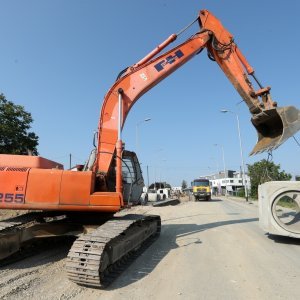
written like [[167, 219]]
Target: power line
[[297, 142]]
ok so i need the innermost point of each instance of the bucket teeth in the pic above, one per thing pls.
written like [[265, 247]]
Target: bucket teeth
[[274, 127]]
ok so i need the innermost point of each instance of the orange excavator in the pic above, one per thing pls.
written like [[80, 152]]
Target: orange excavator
[[84, 203]]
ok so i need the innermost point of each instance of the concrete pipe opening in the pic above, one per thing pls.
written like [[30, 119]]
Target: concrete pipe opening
[[286, 211]]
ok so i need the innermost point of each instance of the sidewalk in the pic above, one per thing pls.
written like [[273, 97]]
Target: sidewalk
[[237, 199]]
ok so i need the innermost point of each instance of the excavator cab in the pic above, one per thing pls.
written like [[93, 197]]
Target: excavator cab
[[133, 181], [274, 126]]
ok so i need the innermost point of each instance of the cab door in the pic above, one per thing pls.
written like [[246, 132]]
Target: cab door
[[133, 181]]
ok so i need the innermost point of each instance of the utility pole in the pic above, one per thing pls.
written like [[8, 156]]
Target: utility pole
[[241, 151], [224, 167], [147, 177]]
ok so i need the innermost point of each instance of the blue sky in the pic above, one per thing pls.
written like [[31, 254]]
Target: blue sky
[[59, 58]]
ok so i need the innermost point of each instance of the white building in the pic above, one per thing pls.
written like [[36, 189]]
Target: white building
[[230, 184], [176, 188]]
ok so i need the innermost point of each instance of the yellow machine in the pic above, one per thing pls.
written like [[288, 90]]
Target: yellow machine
[[201, 189]]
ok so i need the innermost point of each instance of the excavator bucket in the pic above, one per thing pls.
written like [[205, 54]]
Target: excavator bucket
[[274, 127]]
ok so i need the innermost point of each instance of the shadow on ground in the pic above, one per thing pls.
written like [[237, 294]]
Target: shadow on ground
[[40, 253], [143, 264], [148, 260], [283, 239]]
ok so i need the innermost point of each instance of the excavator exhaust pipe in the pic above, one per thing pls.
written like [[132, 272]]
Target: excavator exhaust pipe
[[274, 127]]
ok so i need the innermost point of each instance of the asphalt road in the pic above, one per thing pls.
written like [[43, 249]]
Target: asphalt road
[[207, 250]]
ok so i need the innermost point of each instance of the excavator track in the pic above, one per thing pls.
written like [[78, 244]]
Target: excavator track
[[94, 259]]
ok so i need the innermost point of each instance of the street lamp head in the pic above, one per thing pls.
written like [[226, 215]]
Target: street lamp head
[[142, 121], [228, 111]]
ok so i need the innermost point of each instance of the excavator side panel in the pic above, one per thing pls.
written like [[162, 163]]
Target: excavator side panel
[[52, 189], [76, 188], [12, 186], [43, 187]]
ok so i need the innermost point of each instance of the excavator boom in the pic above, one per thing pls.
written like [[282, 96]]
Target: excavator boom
[[274, 125], [134, 83]]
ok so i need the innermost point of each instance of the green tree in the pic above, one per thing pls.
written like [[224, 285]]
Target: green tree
[[15, 123], [184, 184], [263, 171]]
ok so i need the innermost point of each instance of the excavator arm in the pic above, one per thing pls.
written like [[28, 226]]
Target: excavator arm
[[274, 125]]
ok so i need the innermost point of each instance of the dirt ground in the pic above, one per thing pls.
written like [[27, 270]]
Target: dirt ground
[[207, 250], [8, 213]]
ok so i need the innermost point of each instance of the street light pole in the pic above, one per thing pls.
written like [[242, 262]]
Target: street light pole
[[224, 167], [147, 177], [70, 160], [137, 134], [241, 151], [217, 164], [242, 158]]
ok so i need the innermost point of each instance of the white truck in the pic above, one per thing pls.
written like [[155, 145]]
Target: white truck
[[158, 194]]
